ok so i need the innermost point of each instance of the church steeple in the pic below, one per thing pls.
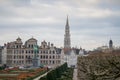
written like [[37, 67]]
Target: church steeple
[[67, 42]]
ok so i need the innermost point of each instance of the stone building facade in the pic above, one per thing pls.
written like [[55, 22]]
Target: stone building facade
[[0, 54], [19, 54]]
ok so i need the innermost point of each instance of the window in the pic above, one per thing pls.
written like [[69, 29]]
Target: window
[[19, 46], [50, 61], [19, 57], [43, 46], [26, 56], [46, 56], [49, 57], [53, 52], [53, 57], [53, 62], [43, 51], [29, 51], [22, 57], [16, 46], [58, 56], [38, 51], [41, 56], [26, 51], [50, 52], [14, 57], [22, 51], [29, 46]]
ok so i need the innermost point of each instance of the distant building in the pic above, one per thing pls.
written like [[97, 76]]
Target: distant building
[[4, 54], [111, 44], [0, 54], [19, 54], [105, 48], [50, 55], [71, 58]]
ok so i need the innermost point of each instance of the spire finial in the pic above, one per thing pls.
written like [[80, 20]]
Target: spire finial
[[67, 22]]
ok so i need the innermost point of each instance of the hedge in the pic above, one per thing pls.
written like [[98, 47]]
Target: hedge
[[56, 73]]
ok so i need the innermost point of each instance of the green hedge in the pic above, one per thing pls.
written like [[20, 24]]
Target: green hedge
[[67, 75], [56, 73]]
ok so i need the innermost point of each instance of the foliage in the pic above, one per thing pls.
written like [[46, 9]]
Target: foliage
[[67, 75], [56, 73]]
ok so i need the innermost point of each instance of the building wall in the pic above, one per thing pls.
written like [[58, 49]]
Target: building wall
[[22, 55], [0, 55], [4, 55]]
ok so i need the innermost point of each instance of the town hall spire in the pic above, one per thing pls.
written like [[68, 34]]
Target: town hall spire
[[67, 41]]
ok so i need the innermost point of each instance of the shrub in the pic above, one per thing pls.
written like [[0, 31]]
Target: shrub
[[56, 73]]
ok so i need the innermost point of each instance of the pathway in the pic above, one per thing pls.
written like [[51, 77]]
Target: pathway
[[40, 76], [75, 74]]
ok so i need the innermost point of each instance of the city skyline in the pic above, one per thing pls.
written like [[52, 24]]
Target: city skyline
[[92, 22]]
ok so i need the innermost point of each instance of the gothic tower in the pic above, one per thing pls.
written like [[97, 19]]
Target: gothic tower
[[67, 42]]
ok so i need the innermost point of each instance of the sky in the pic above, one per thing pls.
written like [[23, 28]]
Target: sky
[[92, 22]]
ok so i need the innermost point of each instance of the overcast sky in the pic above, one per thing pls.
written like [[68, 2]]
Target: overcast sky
[[92, 22]]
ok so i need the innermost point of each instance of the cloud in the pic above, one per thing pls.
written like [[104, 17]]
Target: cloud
[[92, 22]]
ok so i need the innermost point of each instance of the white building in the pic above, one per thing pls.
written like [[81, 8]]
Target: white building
[[71, 58], [4, 55]]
